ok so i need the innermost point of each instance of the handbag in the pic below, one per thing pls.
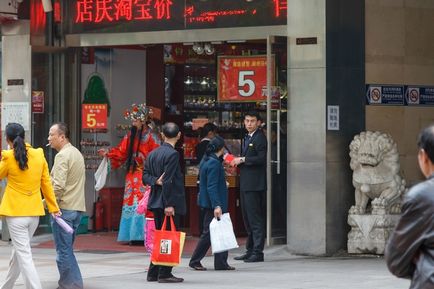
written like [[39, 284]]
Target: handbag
[[101, 174], [222, 234], [142, 207], [168, 245]]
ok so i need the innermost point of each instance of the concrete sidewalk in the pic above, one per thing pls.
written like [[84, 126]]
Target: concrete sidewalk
[[107, 270]]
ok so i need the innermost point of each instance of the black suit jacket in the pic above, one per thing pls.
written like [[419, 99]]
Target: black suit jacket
[[253, 172], [165, 159]]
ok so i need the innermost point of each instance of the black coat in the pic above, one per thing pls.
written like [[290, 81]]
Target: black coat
[[165, 159], [201, 149], [253, 172], [410, 249]]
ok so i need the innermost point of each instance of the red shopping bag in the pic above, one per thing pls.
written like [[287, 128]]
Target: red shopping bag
[[168, 245]]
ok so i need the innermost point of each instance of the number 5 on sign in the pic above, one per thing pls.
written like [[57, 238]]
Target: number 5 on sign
[[245, 83], [94, 116], [242, 78]]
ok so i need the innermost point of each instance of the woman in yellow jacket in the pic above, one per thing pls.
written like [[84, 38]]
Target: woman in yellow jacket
[[27, 174]]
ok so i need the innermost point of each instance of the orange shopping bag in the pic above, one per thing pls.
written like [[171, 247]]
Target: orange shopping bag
[[168, 245]]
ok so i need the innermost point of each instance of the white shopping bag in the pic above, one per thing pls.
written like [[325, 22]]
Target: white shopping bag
[[101, 174], [222, 234]]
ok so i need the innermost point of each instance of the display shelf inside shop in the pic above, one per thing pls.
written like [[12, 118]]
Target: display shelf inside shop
[[89, 150]]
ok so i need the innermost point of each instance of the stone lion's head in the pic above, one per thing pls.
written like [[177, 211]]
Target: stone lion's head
[[370, 149]]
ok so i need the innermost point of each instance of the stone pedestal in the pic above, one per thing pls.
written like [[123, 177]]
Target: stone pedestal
[[369, 233]]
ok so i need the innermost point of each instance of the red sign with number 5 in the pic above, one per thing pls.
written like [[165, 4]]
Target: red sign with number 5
[[243, 78], [94, 116]]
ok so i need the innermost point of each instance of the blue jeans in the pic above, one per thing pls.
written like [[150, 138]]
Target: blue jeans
[[70, 275]]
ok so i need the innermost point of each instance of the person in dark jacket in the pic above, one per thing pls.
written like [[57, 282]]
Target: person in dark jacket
[[253, 186], [410, 249], [207, 132], [163, 173], [213, 199]]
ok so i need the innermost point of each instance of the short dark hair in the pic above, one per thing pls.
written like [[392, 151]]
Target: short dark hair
[[426, 141], [170, 129], [208, 127], [62, 128], [253, 113]]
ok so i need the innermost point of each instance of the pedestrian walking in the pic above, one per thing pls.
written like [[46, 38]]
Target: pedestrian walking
[[410, 251], [253, 186], [27, 172], [213, 200], [68, 176], [163, 173]]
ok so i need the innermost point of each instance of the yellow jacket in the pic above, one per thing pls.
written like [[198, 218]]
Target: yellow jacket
[[22, 196]]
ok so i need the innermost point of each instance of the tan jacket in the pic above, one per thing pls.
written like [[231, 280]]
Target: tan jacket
[[68, 176], [22, 196]]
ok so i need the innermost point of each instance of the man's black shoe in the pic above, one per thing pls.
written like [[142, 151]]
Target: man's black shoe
[[171, 279], [151, 279], [243, 257], [254, 258]]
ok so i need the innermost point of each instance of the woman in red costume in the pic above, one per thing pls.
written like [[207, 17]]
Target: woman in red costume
[[132, 152]]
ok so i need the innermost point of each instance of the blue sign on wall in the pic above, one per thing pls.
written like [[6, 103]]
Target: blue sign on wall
[[385, 94], [419, 95]]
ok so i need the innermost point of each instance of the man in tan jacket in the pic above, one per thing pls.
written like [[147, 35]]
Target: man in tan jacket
[[68, 178]]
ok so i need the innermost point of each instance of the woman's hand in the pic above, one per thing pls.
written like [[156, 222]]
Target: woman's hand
[[217, 212], [56, 214], [102, 152]]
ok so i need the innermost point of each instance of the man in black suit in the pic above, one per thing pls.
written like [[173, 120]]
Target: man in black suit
[[163, 173], [253, 186]]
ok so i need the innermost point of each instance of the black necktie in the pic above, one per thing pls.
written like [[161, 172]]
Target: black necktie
[[246, 142]]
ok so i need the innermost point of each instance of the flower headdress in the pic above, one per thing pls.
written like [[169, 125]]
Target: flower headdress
[[138, 112]]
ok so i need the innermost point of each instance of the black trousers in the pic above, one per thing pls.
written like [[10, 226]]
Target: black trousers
[[158, 270], [252, 208], [220, 259]]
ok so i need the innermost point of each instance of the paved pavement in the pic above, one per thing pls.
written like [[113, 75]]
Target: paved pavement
[[107, 270]]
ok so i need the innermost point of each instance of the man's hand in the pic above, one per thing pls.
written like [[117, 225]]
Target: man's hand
[[169, 211], [160, 180], [217, 212], [237, 161]]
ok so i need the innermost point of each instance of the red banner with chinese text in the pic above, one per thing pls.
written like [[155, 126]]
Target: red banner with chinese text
[[243, 78], [94, 116]]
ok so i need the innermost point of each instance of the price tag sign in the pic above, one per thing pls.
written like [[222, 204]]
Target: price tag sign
[[243, 78], [94, 116]]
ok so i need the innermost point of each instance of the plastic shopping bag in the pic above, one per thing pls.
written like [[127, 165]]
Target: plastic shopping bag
[[101, 174], [142, 207], [168, 245], [222, 234]]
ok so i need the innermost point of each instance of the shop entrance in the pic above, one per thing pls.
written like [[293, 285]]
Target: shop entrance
[[184, 81]]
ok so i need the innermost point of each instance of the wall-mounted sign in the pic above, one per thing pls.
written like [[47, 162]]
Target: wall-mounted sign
[[333, 117], [385, 94], [243, 78], [37, 101], [152, 15], [18, 112], [419, 95], [94, 116]]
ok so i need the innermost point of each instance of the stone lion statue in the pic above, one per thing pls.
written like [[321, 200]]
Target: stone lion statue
[[375, 165]]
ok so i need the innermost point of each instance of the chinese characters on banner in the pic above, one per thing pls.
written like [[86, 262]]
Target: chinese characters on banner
[[96, 11], [243, 78], [94, 116], [131, 15]]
